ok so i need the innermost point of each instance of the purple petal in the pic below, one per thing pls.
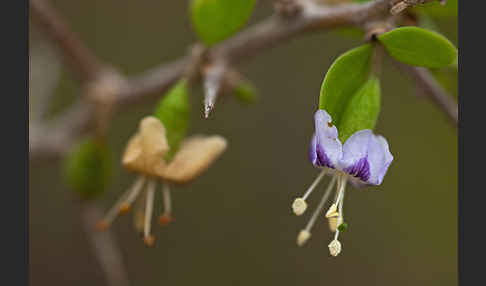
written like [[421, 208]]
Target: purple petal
[[312, 151], [329, 149], [366, 157]]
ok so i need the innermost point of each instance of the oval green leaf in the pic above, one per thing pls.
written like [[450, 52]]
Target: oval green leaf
[[419, 47], [345, 76], [362, 110], [88, 168], [173, 110], [216, 20]]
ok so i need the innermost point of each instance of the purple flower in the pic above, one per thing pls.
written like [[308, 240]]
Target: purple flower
[[364, 155], [363, 159]]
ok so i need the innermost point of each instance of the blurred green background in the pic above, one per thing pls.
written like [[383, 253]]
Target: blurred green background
[[234, 225]]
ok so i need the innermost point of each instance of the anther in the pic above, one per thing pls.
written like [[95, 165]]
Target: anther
[[149, 206], [303, 236], [334, 247], [332, 212], [299, 206]]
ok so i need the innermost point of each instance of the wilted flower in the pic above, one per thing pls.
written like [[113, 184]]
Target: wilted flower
[[363, 160], [145, 154]]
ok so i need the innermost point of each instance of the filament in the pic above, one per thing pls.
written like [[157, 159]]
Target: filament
[[321, 204], [149, 207], [167, 199], [314, 184]]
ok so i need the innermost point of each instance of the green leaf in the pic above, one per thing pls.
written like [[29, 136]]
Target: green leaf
[[245, 92], [216, 20], [362, 110], [345, 76], [436, 10], [88, 168], [419, 47], [173, 110]]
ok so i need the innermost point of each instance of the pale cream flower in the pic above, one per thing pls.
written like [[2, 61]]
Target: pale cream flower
[[146, 154]]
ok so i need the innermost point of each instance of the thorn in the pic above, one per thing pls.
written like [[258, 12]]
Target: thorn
[[207, 109], [213, 82], [149, 240], [165, 219]]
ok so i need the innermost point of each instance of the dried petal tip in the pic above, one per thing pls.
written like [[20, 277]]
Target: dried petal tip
[[303, 236], [299, 206], [125, 208], [165, 219], [149, 240], [332, 212], [101, 226], [335, 247]]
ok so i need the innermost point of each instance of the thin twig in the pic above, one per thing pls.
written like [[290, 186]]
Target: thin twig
[[75, 52], [244, 45], [104, 246], [435, 92], [432, 89]]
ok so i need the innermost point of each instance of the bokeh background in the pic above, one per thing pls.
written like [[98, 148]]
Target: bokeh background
[[234, 225]]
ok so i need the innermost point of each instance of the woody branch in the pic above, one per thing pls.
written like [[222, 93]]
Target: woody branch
[[292, 18]]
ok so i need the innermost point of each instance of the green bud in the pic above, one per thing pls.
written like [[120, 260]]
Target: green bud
[[245, 92], [342, 227], [88, 168]]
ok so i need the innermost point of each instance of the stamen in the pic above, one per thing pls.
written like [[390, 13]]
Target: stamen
[[335, 247], [332, 212], [166, 217], [139, 216], [149, 207], [115, 210], [134, 192], [299, 205], [341, 186], [337, 220], [332, 223], [305, 234]]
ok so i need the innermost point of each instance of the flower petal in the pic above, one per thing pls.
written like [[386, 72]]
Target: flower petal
[[195, 155], [312, 151], [366, 157], [328, 147], [146, 149], [152, 134]]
